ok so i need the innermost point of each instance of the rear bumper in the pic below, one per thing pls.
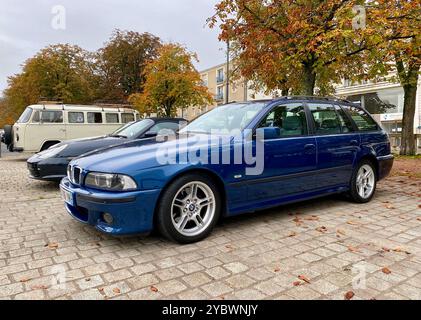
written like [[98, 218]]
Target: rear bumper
[[385, 166], [52, 169], [132, 212]]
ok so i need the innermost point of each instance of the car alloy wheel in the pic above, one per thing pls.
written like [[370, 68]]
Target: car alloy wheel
[[193, 208], [365, 181]]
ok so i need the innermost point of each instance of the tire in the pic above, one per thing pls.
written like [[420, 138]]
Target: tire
[[368, 185], [180, 215], [48, 144], [7, 137]]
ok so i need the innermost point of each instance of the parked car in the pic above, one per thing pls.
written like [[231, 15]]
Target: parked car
[[51, 164], [312, 147], [42, 126]]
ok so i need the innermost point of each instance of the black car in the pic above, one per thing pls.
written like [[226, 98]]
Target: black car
[[51, 164]]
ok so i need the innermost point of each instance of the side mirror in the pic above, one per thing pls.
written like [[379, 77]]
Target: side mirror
[[268, 133], [150, 134]]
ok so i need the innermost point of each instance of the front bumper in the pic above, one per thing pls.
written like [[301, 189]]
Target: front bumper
[[51, 169], [385, 166], [132, 212]]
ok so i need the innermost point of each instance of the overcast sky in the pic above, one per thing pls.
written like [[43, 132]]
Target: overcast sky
[[26, 27]]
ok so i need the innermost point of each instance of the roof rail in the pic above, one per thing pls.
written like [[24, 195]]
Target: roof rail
[[331, 98]]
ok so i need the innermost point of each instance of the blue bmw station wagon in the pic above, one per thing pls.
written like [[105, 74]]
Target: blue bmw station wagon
[[237, 158]]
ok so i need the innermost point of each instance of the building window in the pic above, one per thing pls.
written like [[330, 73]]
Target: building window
[[220, 76], [219, 93], [382, 101]]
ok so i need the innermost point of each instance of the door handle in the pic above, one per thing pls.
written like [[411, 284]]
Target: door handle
[[309, 146], [353, 143]]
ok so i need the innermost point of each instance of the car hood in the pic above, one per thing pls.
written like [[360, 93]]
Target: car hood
[[142, 154], [78, 147]]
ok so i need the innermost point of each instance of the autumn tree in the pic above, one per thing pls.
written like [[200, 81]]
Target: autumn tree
[[172, 82], [62, 72], [395, 25], [121, 63], [284, 44]]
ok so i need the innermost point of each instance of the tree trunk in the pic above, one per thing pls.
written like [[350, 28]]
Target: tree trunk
[[309, 80], [408, 145]]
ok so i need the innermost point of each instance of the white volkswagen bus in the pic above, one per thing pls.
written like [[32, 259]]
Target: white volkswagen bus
[[41, 126]]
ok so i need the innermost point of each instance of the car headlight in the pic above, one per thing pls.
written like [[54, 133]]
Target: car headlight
[[51, 152], [110, 181]]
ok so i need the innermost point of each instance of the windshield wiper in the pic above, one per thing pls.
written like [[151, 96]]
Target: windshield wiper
[[118, 136]]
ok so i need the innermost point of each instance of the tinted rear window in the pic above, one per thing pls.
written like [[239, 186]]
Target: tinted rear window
[[362, 119]]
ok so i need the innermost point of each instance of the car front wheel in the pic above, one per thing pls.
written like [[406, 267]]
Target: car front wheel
[[363, 182], [189, 209]]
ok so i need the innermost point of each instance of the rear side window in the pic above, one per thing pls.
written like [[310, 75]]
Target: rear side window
[[362, 119], [290, 119], [48, 117], [346, 123], [94, 117], [111, 118], [76, 117], [127, 117], [326, 119]]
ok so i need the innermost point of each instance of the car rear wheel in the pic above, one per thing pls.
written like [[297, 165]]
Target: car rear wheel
[[363, 182], [7, 137], [189, 209]]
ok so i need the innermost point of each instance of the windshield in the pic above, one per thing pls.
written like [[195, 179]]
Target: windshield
[[225, 118], [134, 129], [24, 118]]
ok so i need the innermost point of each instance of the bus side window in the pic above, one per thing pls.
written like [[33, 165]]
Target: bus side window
[[35, 117], [111, 117], [127, 117], [76, 117], [94, 117]]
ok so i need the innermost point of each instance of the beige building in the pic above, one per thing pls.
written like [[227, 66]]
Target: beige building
[[215, 78]]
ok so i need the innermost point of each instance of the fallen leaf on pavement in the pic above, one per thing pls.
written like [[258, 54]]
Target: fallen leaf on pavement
[[349, 295], [88, 279], [277, 269], [38, 287], [389, 206], [312, 218], [341, 232], [419, 219], [292, 234], [353, 249], [321, 229], [24, 280], [116, 290], [154, 289], [386, 249], [353, 223], [297, 221], [386, 270], [304, 278], [52, 245], [297, 283], [401, 250]]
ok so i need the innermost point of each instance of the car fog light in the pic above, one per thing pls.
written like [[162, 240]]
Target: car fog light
[[108, 218]]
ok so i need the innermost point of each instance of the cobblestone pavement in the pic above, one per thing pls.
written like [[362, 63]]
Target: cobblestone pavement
[[319, 249]]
